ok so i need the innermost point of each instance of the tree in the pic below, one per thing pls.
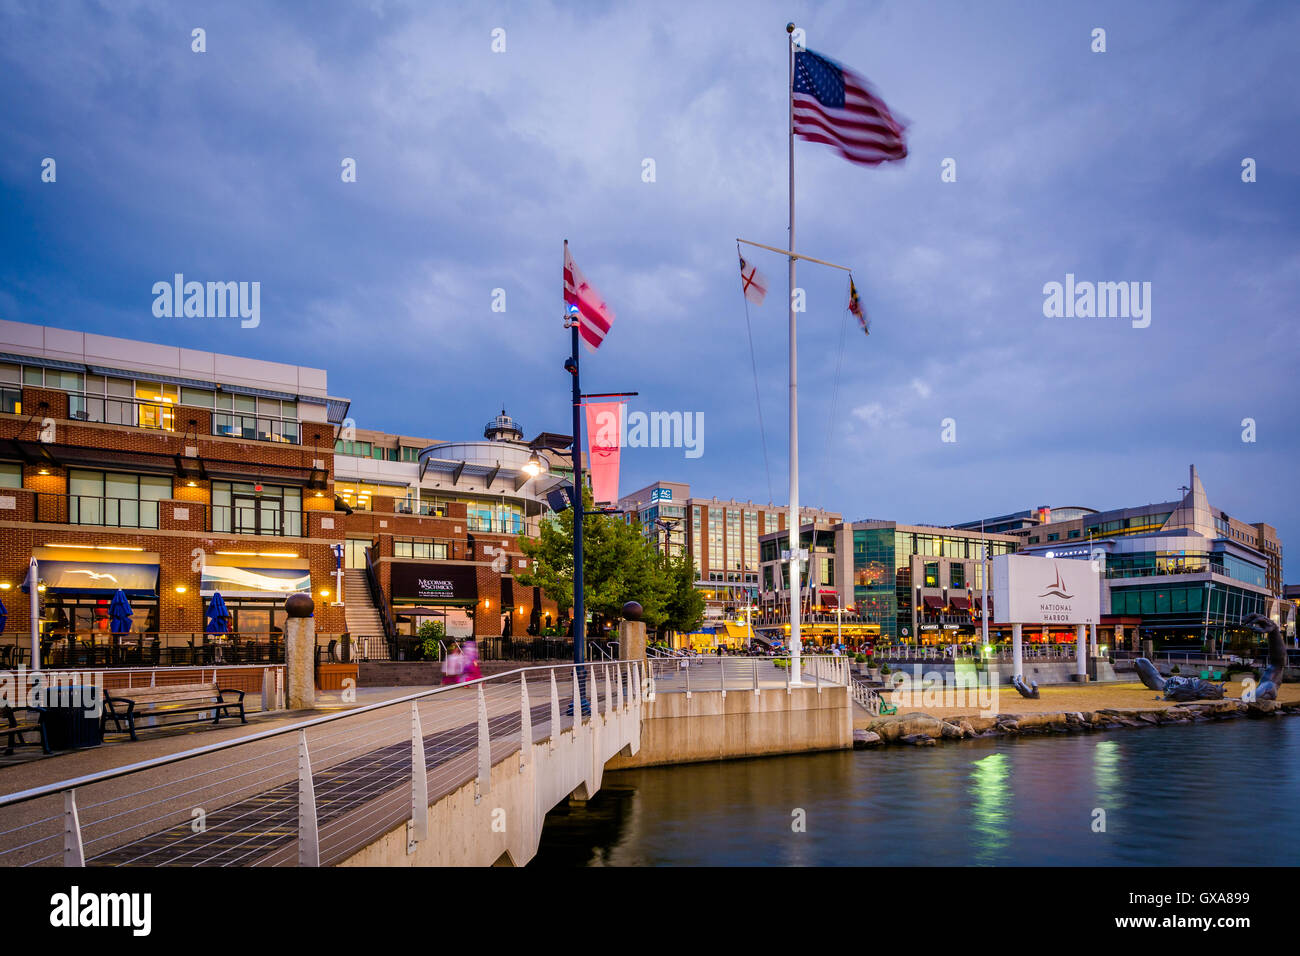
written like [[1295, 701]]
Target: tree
[[619, 565], [684, 607]]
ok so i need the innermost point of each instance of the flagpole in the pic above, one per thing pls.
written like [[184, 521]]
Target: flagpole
[[579, 609], [794, 523]]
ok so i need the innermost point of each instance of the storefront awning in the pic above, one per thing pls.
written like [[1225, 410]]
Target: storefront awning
[[933, 603], [98, 578], [437, 584], [250, 576], [960, 603]]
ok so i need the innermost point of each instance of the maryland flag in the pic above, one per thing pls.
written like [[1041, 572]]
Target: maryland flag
[[855, 306]]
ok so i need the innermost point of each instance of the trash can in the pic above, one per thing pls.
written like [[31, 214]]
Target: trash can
[[72, 716]]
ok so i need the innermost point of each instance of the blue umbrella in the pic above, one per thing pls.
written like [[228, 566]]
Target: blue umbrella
[[120, 613], [4, 616], [218, 616]]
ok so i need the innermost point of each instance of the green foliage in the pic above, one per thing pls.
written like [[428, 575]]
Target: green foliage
[[860, 658], [885, 669], [620, 564], [430, 633]]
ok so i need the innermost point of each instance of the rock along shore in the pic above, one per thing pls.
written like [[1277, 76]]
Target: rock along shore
[[923, 730]]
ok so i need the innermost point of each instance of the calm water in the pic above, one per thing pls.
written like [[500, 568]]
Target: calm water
[[1208, 793]]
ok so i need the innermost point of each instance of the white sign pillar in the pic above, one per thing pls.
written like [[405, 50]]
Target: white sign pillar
[[34, 606], [1081, 651], [1017, 651]]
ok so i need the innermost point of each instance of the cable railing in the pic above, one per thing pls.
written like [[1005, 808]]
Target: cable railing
[[730, 673], [314, 792]]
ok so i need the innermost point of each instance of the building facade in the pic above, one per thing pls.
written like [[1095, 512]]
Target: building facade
[[1180, 574], [721, 536], [174, 475], [169, 473]]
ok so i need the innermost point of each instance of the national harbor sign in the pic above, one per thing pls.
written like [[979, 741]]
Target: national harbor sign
[[1033, 590]]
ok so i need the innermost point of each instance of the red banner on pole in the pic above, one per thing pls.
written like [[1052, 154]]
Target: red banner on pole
[[604, 428]]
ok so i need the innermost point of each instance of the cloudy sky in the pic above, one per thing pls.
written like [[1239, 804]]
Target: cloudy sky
[[473, 165]]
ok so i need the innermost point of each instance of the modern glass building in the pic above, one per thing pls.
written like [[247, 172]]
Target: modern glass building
[[1178, 574], [923, 584], [911, 584]]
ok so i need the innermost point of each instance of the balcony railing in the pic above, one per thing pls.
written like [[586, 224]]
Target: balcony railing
[[256, 428], [138, 413], [511, 524], [429, 509], [121, 411], [261, 520], [92, 510]]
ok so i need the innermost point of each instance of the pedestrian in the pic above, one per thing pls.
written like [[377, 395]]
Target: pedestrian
[[453, 668], [472, 670]]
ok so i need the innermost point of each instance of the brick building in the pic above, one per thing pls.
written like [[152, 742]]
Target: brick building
[[175, 474]]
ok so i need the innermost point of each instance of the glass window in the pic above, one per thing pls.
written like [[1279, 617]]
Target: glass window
[[957, 575], [932, 574], [197, 396], [11, 475], [9, 373], [32, 375]]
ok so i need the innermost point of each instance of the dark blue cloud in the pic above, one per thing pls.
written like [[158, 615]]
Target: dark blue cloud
[[474, 165]]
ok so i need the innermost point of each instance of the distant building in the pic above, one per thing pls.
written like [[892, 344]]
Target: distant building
[[720, 535], [1180, 573]]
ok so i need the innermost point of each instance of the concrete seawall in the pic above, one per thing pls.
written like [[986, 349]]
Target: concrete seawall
[[710, 725]]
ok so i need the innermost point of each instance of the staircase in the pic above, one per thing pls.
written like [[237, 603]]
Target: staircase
[[360, 612]]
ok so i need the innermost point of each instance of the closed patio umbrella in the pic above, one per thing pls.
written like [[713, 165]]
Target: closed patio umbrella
[[218, 615], [119, 615]]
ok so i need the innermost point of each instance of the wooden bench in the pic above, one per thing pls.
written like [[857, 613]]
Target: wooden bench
[[11, 726], [137, 702]]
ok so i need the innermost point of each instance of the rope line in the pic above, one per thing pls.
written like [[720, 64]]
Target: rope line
[[758, 401]]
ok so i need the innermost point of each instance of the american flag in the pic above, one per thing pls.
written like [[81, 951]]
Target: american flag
[[594, 316], [835, 106]]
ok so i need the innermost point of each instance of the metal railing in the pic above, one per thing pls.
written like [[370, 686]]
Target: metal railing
[[377, 598], [948, 652], [96, 510], [135, 413], [245, 677], [260, 520], [256, 427], [314, 792], [739, 672]]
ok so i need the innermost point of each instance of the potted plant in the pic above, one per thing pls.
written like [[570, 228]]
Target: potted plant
[[430, 633]]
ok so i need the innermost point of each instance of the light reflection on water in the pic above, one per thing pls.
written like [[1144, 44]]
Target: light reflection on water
[[1208, 793]]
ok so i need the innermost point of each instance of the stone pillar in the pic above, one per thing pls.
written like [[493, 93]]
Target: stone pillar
[[300, 652], [1081, 652], [1017, 651], [631, 633], [1092, 639]]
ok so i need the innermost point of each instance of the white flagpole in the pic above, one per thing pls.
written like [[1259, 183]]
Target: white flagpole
[[794, 523]]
